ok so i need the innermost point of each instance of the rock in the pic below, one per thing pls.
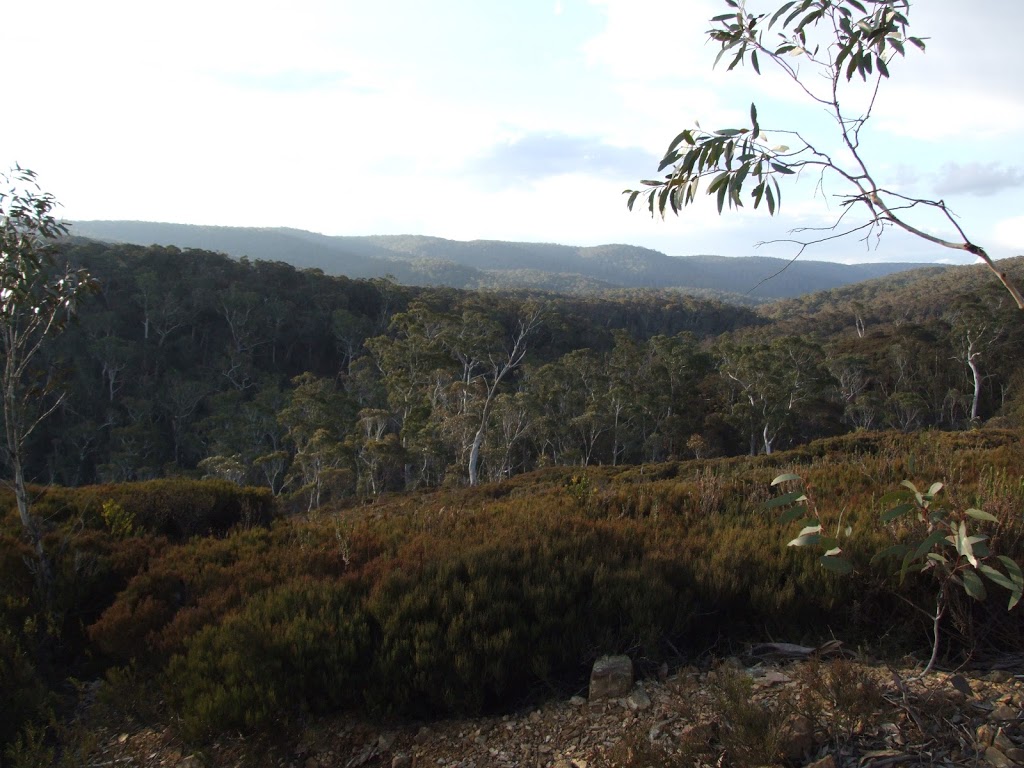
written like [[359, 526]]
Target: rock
[[401, 761], [998, 676], [638, 699], [826, 762], [1004, 712], [996, 758], [796, 737], [611, 677], [774, 677], [1003, 743], [985, 735]]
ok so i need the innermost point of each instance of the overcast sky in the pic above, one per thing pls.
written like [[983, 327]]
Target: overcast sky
[[476, 118]]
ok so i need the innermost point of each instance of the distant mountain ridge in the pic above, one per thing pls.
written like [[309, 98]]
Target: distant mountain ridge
[[423, 260]]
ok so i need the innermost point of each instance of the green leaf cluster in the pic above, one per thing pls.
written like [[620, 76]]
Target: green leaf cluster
[[729, 157], [945, 544], [932, 539]]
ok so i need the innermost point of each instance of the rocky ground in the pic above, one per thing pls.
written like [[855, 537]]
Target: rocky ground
[[742, 712]]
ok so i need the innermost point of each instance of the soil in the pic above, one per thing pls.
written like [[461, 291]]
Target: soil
[[829, 714]]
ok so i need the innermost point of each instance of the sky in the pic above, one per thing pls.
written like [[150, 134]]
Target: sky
[[479, 119]]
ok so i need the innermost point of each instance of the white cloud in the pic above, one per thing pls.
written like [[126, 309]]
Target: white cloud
[[1009, 234]]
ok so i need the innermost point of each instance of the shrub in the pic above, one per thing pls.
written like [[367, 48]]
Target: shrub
[[178, 508], [301, 647], [24, 698]]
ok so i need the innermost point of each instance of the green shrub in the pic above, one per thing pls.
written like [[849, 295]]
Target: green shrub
[[474, 599], [302, 647], [178, 508], [24, 698]]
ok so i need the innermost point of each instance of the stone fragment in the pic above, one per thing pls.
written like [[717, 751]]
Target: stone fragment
[[997, 759], [774, 677], [638, 699], [401, 761], [985, 735], [611, 677], [1002, 742], [1004, 712], [826, 762], [999, 676], [796, 737]]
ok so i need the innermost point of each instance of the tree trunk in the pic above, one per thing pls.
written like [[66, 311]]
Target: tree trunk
[[474, 453], [31, 525], [976, 372]]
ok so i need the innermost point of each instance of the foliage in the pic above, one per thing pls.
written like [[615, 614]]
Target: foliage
[[524, 583], [301, 647], [821, 45], [119, 521], [937, 542], [178, 508], [190, 379], [24, 697], [947, 530], [36, 300]]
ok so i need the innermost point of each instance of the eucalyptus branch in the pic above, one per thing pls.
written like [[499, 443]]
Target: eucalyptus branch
[[966, 245], [864, 39]]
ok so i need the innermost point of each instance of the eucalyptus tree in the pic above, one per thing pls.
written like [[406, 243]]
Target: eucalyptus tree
[[771, 382], [824, 47], [974, 332], [573, 412], [317, 418], [499, 363], [37, 298]]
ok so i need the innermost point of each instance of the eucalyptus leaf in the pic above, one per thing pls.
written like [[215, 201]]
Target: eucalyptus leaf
[[793, 513], [786, 498], [839, 565], [996, 577], [979, 514], [973, 585], [785, 479], [805, 541]]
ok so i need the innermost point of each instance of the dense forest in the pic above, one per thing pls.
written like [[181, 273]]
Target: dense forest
[[191, 363], [270, 494]]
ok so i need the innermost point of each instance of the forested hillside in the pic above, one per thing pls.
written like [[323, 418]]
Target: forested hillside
[[420, 260], [188, 362]]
